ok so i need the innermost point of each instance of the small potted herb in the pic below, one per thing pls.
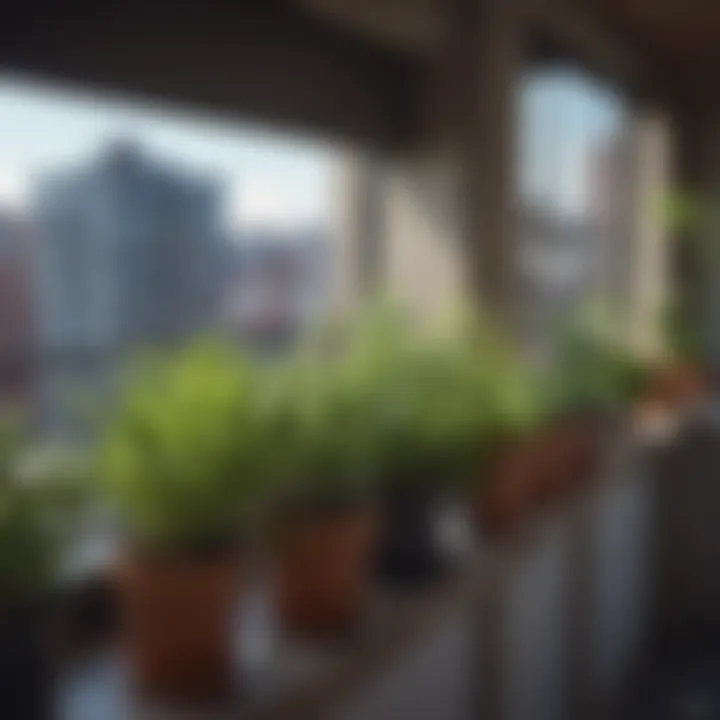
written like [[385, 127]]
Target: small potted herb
[[587, 391], [679, 381], [512, 442], [184, 460], [431, 420], [681, 378], [326, 520], [35, 524], [425, 424]]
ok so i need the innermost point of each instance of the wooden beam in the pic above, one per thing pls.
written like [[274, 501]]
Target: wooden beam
[[262, 59], [582, 34]]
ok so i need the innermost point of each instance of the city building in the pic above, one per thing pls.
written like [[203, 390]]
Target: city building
[[279, 285], [17, 350], [129, 254]]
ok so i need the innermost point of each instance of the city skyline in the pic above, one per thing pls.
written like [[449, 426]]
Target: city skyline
[[127, 252], [271, 180]]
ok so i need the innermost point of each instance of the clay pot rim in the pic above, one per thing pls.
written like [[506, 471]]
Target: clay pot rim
[[182, 557], [298, 519], [318, 509]]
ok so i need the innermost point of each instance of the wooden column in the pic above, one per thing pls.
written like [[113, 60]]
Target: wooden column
[[486, 42], [484, 54], [358, 230]]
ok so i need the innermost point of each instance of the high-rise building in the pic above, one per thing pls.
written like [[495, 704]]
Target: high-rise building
[[129, 254], [129, 251], [611, 182], [17, 356]]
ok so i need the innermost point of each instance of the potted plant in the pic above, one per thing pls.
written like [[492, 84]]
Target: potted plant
[[326, 521], [184, 460], [427, 409], [513, 447], [35, 524], [58, 476], [680, 378], [428, 431], [591, 384], [678, 381]]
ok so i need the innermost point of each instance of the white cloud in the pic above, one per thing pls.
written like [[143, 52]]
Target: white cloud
[[258, 204], [12, 188]]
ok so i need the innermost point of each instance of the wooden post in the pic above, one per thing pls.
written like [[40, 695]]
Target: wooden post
[[487, 45]]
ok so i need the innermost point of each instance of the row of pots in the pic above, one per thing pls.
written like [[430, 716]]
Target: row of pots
[[536, 471], [391, 405], [177, 615]]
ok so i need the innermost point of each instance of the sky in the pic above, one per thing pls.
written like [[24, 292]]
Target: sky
[[564, 118], [272, 180], [279, 180]]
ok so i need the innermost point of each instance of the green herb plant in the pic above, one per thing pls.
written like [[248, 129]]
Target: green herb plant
[[37, 516], [188, 453]]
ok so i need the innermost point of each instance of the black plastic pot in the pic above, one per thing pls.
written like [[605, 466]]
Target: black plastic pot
[[25, 663], [409, 553], [87, 617]]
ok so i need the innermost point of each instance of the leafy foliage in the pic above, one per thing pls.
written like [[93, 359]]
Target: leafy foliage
[[37, 511], [189, 449], [683, 339], [397, 404], [594, 372], [322, 414], [199, 440]]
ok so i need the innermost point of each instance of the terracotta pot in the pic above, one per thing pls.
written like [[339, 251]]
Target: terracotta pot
[[176, 623], [675, 385], [552, 462], [535, 472], [324, 565], [588, 448], [581, 438], [505, 498]]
